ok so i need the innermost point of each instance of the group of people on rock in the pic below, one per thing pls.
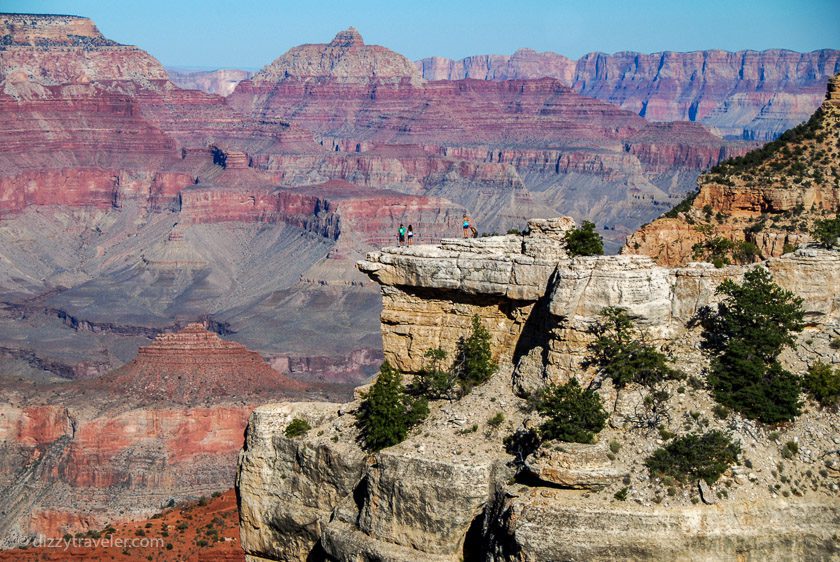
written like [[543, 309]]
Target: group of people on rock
[[406, 235]]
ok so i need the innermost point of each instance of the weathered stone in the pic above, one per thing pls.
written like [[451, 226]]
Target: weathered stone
[[291, 485], [573, 465], [706, 493]]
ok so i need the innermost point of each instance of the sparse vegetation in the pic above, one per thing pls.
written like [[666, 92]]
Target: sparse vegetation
[[790, 450], [620, 353], [822, 383], [695, 456], [496, 420], [572, 413], [297, 427], [584, 241], [826, 232], [433, 380], [752, 159], [387, 412], [752, 324], [683, 206]]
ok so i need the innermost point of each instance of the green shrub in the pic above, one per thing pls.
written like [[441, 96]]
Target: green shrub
[[496, 420], [387, 412], [474, 363], [752, 324], [826, 232], [694, 456], [573, 413], [620, 354], [761, 391], [621, 495], [433, 381], [297, 427], [822, 383], [715, 250], [584, 241], [790, 450], [745, 252]]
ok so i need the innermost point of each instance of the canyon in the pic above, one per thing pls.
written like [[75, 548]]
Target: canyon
[[172, 258]]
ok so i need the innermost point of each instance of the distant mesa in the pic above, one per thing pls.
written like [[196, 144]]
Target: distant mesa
[[344, 59], [195, 365], [47, 30]]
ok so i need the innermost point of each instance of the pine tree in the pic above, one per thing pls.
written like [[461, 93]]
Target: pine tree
[[474, 363], [752, 324], [584, 241], [387, 412]]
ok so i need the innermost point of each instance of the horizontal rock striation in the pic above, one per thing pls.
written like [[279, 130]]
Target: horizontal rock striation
[[752, 95], [771, 204], [166, 425]]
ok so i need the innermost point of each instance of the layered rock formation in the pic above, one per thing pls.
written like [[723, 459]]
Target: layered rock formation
[[769, 198], [346, 59], [745, 94], [536, 145], [192, 366], [221, 82], [166, 425], [448, 492]]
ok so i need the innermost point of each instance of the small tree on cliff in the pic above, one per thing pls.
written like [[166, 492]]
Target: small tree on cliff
[[387, 412], [474, 361], [827, 232], [571, 413], [745, 335], [620, 353], [584, 241]]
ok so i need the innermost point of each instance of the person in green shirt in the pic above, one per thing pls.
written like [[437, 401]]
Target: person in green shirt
[[401, 234]]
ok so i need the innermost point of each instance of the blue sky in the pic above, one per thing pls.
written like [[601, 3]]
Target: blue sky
[[249, 34]]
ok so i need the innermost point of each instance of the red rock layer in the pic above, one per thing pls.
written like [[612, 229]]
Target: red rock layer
[[192, 366], [336, 210], [771, 204]]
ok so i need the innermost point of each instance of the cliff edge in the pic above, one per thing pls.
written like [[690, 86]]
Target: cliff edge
[[452, 491]]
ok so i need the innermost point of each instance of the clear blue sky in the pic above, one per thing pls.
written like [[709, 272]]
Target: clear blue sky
[[249, 34]]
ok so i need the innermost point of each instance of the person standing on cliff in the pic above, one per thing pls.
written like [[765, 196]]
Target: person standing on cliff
[[468, 229], [410, 235], [401, 234]]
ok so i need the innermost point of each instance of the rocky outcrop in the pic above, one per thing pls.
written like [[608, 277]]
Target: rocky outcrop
[[446, 492], [744, 94], [771, 203], [346, 59], [221, 82], [522, 64]]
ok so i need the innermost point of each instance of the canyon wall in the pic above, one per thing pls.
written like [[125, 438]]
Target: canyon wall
[[769, 199], [745, 94]]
